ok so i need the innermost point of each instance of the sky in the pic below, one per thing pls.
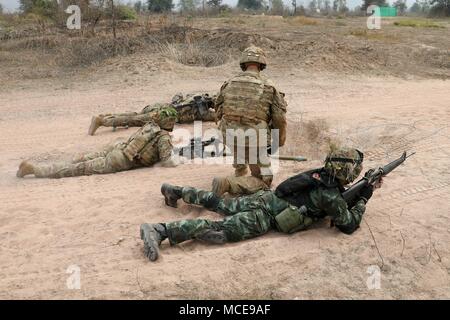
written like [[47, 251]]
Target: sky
[[11, 5]]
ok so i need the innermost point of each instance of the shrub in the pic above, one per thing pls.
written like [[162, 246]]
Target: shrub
[[416, 23]]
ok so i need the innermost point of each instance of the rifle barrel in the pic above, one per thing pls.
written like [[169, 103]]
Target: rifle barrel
[[290, 158]]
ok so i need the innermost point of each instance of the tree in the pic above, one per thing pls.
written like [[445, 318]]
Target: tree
[[440, 7], [424, 6], [301, 10], [312, 6], [415, 8], [327, 6], [340, 6], [159, 5], [367, 3], [343, 6], [214, 3], [138, 6], [277, 6], [294, 4], [401, 6], [187, 5], [250, 4]]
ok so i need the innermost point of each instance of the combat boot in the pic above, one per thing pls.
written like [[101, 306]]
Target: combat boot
[[152, 235], [25, 168], [171, 194], [220, 186], [96, 122]]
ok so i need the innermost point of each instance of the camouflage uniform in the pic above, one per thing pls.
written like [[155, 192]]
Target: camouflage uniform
[[189, 114], [253, 215], [146, 147], [137, 119], [295, 204], [251, 101]]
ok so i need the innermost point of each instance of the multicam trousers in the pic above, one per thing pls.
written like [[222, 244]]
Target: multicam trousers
[[111, 159], [246, 217], [135, 119]]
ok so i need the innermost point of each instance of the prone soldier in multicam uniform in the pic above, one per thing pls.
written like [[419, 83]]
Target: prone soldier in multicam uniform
[[151, 144], [295, 204], [194, 106], [249, 102]]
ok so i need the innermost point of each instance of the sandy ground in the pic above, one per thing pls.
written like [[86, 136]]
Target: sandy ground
[[93, 222]]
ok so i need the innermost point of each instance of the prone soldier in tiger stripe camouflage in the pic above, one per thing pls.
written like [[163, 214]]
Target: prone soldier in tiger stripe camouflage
[[250, 103], [151, 144], [187, 110], [295, 205]]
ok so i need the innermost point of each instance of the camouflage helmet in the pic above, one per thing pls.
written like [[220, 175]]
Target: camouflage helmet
[[253, 54], [167, 117], [345, 164]]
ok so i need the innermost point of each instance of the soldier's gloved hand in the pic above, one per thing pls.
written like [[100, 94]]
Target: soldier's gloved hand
[[366, 193]]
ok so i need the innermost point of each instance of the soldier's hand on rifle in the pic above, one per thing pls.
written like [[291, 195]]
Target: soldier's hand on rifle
[[378, 184], [366, 192]]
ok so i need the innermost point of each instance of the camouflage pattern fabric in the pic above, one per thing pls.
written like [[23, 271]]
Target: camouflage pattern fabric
[[113, 158], [242, 185], [191, 114], [134, 119], [251, 101], [247, 217], [150, 112], [253, 215]]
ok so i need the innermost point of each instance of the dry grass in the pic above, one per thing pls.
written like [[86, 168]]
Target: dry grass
[[303, 21], [373, 35], [417, 23], [194, 54]]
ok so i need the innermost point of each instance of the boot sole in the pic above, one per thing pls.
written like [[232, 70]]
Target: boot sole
[[93, 126], [167, 199], [153, 252]]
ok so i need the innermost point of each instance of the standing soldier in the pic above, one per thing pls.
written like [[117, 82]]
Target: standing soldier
[[295, 205], [149, 145], [195, 106], [249, 102]]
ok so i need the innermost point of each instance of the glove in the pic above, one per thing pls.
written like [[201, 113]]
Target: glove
[[366, 193]]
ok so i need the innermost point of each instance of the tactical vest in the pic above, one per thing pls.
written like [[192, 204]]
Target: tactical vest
[[247, 99], [296, 189], [143, 145]]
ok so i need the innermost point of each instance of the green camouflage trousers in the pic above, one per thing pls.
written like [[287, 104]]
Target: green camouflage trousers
[[111, 159], [246, 217]]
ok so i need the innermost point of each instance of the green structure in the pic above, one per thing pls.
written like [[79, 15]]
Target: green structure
[[388, 12]]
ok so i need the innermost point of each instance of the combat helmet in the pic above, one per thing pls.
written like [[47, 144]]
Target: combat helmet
[[167, 117], [344, 164], [253, 54]]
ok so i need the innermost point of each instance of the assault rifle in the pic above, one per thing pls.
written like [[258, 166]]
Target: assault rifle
[[371, 177], [202, 103], [196, 148]]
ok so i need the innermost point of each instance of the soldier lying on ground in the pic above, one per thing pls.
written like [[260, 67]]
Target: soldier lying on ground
[[149, 145], [194, 106], [293, 206]]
